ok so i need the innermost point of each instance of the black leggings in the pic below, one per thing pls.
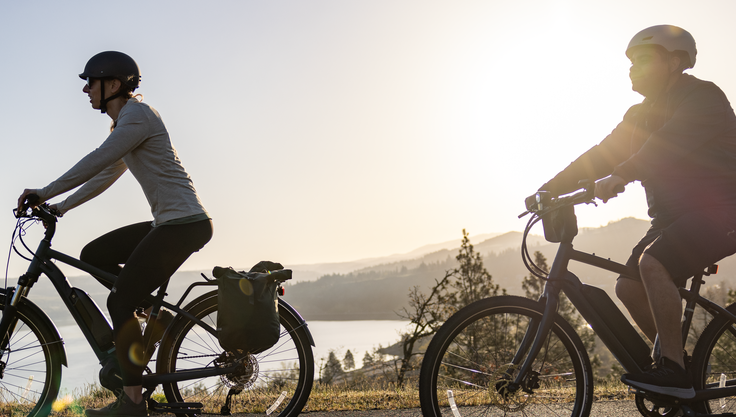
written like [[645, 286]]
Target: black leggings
[[150, 256]]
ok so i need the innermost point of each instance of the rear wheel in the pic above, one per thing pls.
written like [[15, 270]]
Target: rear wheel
[[30, 367], [469, 365], [275, 382], [714, 357]]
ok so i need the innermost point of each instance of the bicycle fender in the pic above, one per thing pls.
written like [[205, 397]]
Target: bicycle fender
[[33, 311], [302, 323]]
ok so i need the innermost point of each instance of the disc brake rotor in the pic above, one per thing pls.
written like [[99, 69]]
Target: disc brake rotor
[[503, 395]]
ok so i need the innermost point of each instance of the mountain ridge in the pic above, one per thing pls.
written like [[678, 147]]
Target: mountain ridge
[[379, 287]]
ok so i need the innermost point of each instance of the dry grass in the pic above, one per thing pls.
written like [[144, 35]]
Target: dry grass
[[611, 390], [323, 398]]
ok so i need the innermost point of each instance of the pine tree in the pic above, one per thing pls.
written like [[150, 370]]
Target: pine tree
[[332, 369], [367, 360], [472, 280], [468, 282], [532, 285], [348, 362]]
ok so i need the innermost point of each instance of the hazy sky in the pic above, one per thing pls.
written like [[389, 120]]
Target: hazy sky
[[323, 131]]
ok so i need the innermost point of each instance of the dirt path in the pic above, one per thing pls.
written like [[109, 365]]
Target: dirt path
[[625, 408]]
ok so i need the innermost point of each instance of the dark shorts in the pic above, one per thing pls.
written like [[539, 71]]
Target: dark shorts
[[689, 244]]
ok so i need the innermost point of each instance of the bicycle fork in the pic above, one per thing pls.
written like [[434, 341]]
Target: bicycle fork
[[539, 328], [8, 322], [531, 345], [12, 301]]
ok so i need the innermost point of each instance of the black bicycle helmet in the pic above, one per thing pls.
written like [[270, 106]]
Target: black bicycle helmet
[[112, 64]]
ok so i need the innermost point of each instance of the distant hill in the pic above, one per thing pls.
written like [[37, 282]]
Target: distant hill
[[377, 288], [379, 291], [312, 272]]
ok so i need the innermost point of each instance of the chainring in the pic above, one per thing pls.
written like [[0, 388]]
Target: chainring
[[649, 408]]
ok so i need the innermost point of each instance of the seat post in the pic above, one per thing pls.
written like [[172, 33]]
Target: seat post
[[160, 294], [690, 305]]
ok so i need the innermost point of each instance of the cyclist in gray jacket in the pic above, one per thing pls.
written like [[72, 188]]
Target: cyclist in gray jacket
[[150, 251], [680, 143]]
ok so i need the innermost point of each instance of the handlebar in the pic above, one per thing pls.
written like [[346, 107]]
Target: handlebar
[[41, 211], [558, 217], [32, 210], [543, 202]]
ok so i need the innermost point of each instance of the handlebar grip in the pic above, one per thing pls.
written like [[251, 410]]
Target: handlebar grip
[[32, 200]]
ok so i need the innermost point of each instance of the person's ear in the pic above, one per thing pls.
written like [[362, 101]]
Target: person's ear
[[114, 85], [674, 63]]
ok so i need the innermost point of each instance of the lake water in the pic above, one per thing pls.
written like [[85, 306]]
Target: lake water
[[358, 336]]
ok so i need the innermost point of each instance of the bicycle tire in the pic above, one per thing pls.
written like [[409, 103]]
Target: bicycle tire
[[31, 366], [469, 357], [714, 354], [282, 382]]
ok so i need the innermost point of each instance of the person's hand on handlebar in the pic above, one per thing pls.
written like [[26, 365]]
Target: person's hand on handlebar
[[31, 201], [609, 187]]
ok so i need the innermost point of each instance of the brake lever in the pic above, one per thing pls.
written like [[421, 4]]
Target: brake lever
[[19, 214]]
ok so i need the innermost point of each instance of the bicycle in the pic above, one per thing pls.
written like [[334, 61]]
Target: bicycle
[[197, 376], [507, 354]]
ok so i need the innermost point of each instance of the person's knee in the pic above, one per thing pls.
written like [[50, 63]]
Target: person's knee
[[648, 264], [653, 272], [88, 254], [628, 291], [120, 309]]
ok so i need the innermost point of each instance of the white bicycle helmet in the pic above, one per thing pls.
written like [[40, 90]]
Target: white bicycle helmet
[[671, 38]]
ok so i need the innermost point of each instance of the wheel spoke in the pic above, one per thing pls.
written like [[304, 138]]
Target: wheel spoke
[[288, 367], [31, 375], [471, 356]]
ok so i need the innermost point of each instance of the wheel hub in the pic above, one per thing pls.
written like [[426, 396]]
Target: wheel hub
[[506, 395], [246, 375]]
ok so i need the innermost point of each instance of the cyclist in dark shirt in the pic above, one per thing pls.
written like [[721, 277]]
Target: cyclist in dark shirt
[[680, 143]]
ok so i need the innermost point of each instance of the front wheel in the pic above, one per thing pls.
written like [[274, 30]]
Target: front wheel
[[275, 382], [30, 366], [714, 357], [469, 365]]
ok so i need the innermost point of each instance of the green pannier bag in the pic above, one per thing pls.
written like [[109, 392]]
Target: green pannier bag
[[248, 306]]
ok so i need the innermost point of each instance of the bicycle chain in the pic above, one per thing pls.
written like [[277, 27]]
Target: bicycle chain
[[193, 357]]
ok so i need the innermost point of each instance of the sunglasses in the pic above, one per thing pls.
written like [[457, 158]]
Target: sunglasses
[[90, 80]]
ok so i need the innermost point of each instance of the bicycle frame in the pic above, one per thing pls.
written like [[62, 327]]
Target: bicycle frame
[[88, 316], [605, 318]]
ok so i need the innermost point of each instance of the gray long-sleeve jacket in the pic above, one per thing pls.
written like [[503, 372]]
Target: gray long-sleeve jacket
[[139, 142], [682, 147]]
